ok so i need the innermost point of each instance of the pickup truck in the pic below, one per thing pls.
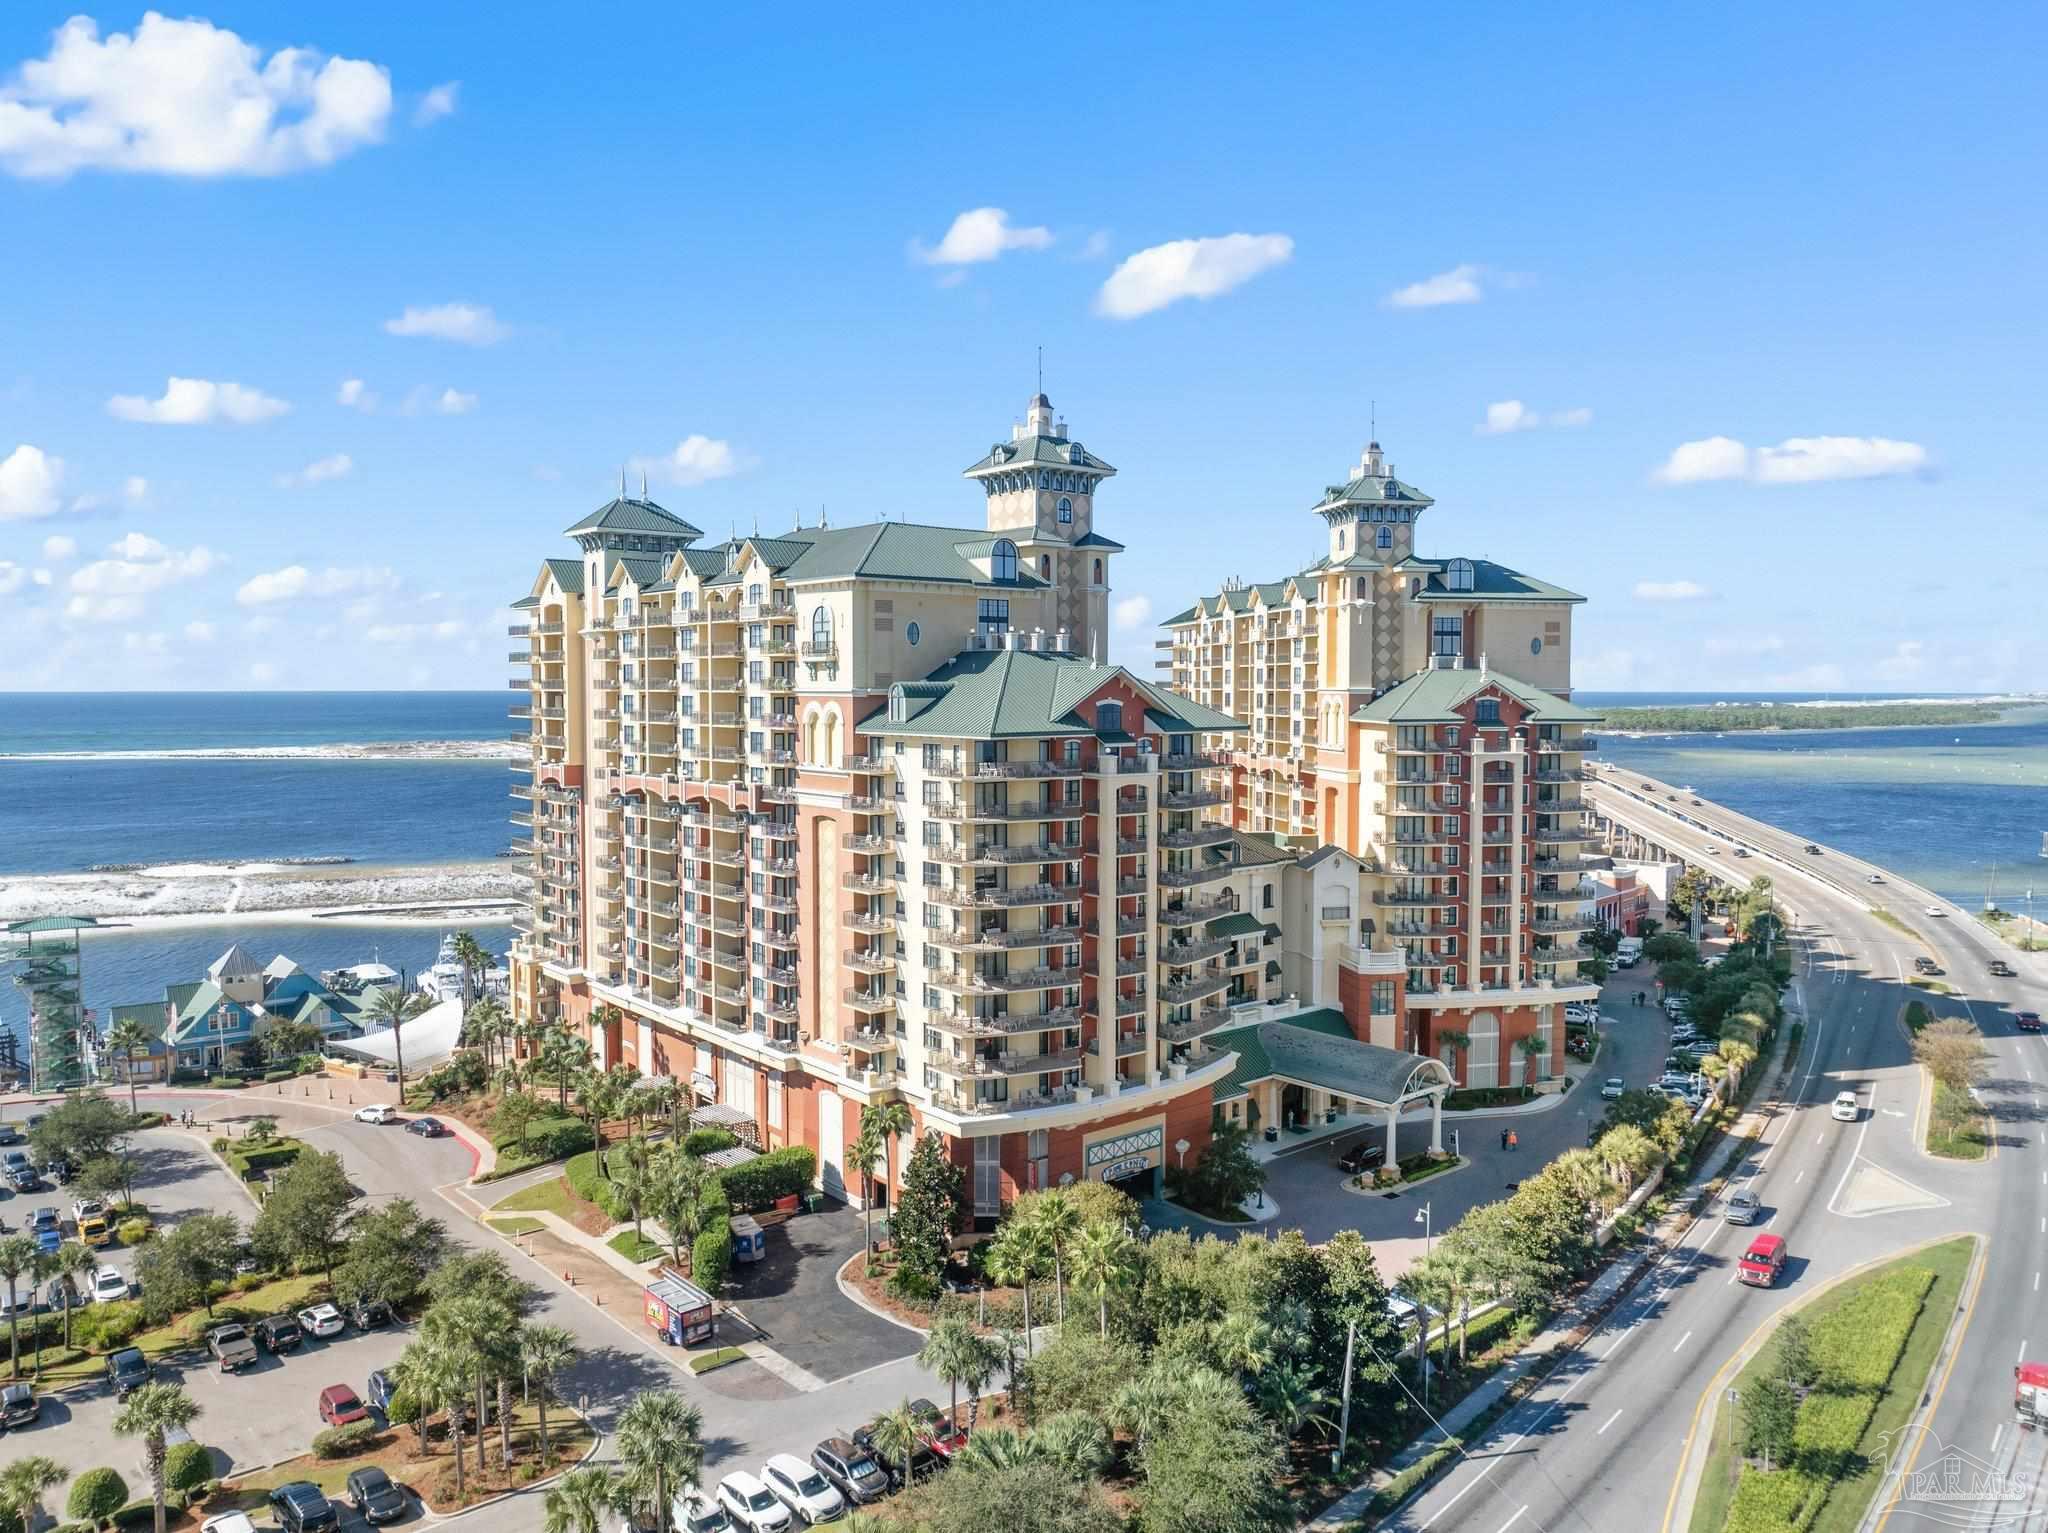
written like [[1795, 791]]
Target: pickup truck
[[231, 1347]]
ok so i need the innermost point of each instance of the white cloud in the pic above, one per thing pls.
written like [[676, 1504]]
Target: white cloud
[[471, 324], [43, 578], [58, 549], [980, 234], [437, 103], [262, 671], [1512, 415], [1906, 662], [1095, 247], [12, 577], [1796, 460], [28, 484], [135, 490], [1133, 612], [1201, 268], [185, 98], [695, 459], [413, 633], [356, 396], [111, 590], [1461, 284], [295, 580], [1671, 590], [198, 402], [455, 402], [199, 631], [338, 466]]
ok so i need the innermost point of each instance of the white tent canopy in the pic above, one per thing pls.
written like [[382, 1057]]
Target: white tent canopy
[[428, 1038]]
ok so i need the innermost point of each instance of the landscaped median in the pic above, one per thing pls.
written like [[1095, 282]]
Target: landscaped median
[[1824, 1393]]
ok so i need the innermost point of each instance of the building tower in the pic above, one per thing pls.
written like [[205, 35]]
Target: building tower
[[51, 974], [1041, 492]]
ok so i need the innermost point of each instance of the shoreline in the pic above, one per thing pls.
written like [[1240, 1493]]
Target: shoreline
[[199, 893]]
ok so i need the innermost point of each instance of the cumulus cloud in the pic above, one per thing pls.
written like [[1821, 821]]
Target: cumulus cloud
[[1200, 268], [339, 466], [12, 577], [1671, 590], [29, 478], [112, 590], [469, 323], [185, 98], [295, 580], [437, 103], [695, 459], [135, 490], [198, 402], [356, 396], [1132, 611], [59, 549], [1512, 415], [1796, 460], [1461, 284], [980, 234], [199, 631], [454, 402]]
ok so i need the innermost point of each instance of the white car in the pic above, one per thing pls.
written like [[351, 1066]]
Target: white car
[[1845, 1109], [16, 1305], [321, 1320], [108, 1284], [1937, 912], [750, 1504], [377, 1112], [802, 1489], [1574, 1012], [1875, 878], [691, 1512], [88, 1208], [1614, 1087], [228, 1522], [1713, 851]]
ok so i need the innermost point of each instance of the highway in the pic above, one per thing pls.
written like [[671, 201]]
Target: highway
[[1601, 1443]]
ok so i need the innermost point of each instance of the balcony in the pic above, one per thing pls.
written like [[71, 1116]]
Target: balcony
[[1195, 989], [1003, 940], [1013, 771], [1572, 747], [1203, 835], [1192, 761], [1553, 926], [1204, 1020], [1031, 811], [1004, 899], [882, 764], [866, 844], [1194, 798], [1005, 1063], [1015, 982], [867, 883], [820, 649], [1180, 954], [1188, 913], [868, 960], [1404, 897], [873, 923], [1182, 878], [864, 1000], [1562, 834]]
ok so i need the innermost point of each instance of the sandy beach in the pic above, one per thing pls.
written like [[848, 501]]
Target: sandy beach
[[192, 891]]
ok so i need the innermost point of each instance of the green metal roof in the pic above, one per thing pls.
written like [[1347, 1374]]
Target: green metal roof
[[901, 551], [631, 514], [568, 575], [1373, 490], [50, 924], [1236, 924], [1254, 847], [1253, 1064], [1037, 451], [1432, 697], [1316, 1048], [988, 694], [1097, 540], [150, 1014], [1494, 582]]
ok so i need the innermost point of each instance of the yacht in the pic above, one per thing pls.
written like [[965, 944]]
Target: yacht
[[444, 981]]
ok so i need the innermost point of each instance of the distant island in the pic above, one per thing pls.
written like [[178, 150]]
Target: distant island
[[1730, 718]]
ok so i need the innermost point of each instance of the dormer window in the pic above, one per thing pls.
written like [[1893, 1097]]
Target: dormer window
[[1109, 718], [899, 708], [1487, 711], [1002, 560], [1075, 455], [1458, 577]]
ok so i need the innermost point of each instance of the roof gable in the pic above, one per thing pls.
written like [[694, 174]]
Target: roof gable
[[632, 514]]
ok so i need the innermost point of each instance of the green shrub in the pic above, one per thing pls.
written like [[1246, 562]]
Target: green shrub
[[107, 1326], [592, 1186], [96, 1495], [340, 1442], [711, 1255], [402, 1409], [187, 1466], [221, 1143], [707, 1141], [226, 1082], [778, 1174], [134, 1232], [272, 1077], [557, 1139]]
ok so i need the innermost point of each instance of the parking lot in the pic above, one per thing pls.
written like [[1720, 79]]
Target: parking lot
[[792, 1295]]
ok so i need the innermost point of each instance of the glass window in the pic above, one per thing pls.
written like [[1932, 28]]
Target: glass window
[[1385, 539], [913, 633], [1486, 711], [1459, 576], [1066, 509], [1109, 717], [821, 625], [1002, 560]]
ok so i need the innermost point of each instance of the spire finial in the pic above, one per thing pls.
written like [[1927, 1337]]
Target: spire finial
[[643, 484], [1373, 415], [1041, 369], [622, 481]]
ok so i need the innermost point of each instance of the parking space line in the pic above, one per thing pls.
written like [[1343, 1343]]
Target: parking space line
[[1607, 1423], [1514, 1519]]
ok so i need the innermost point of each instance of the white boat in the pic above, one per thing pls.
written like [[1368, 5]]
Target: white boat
[[446, 980], [359, 977]]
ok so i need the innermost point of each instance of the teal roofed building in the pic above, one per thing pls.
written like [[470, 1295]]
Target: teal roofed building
[[208, 1025]]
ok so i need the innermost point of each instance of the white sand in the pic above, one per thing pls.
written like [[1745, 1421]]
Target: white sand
[[197, 892]]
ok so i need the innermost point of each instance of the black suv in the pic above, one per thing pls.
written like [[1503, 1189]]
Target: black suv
[[278, 1333], [128, 1370], [853, 1471], [301, 1508], [368, 1314], [374, 1497], [922, 1461]]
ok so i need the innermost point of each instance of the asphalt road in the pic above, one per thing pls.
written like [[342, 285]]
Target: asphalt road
[[1600, 1444]]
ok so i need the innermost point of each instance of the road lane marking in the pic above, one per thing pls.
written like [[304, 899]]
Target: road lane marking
[[1683, 1340], [2037, 1282], [1798, 1179], [1610, 1422], [1513, 1520], [2023, 1352], [1996, 1438]]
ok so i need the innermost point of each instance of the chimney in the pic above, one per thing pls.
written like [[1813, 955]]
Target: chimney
[[1059, 640], [1010, 639], [1038, 639]]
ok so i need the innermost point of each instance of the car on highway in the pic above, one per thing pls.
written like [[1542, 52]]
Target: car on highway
[[1925, 965], [321, 1320], [802, 1489], [2001, 968], [852, 1470], [1743, 1206], [279, 1333], [128, 1370], [377, 1112], [109, 1284], [1612, 1089], [19, 1406], [426, 1128], [1875, 878], [2027, 1021], [1846, 1109], [1696, 804], [1742, 851], [1812, 850], [374, 1497], [750, 1504], [1762, 1262], [1937, 912], [340, 1406], [1713, 851], [301, 1508]]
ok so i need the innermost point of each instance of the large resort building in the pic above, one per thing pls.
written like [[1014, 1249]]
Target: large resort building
[[850, 815]]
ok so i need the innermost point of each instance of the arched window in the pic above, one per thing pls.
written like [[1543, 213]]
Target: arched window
[[1066, 509], [1002, 560], [821, 625], [899, 706], [1364, 588], [1098, 572], [1459, 576], [1109, 718], [1045, 566], [1385, 538]]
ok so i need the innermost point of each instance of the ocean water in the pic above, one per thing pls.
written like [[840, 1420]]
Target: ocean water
[[38, 723]]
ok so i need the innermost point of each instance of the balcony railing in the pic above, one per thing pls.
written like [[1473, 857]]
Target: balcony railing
[[1182, 878], [1195, 989], [1203, 835], [868, 1000], [1005, 1063]]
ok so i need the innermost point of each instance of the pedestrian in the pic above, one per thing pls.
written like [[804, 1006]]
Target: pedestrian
[[1514, 1140], [1503, 1139]]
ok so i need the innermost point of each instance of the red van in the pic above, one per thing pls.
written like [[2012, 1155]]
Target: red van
[[1762, 1262]]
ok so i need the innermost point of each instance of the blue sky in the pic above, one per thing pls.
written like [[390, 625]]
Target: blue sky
[[1757, 295]]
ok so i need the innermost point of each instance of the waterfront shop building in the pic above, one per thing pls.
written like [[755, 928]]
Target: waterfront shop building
[[206, 1024]]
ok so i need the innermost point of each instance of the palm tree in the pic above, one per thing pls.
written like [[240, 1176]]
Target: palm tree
[[597, 1098], [17, 1255], [896, 1435], [1105, 1258], [129, 1038], [413, 1374], [999, 1448], [1076, 1441], [43, 1266], [474, 960], [1291, 1396], [661, 1446], [74, 1260], [1461, 1044], [1530, 1048], [892, 1122], [481, 1024], [149, 1413], [636, 1180], [949, 1351], [861, 1156], [544, 1351], [1015, 1258], [473, 1330], [1146, 1405], [1058, 1220], [1246, 1341], [675, 1196], [580, 1501], [23, 1482], [393, 1008], [437, 1373]]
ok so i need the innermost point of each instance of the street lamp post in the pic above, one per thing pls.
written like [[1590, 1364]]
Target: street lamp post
[[1421, 1309]]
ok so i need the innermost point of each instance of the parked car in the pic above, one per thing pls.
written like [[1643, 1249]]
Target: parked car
[[1846, 1108], [94, 1233], [694, 1512], [228, 1522], [1612, 1089], [851, 1469], [321, 1320], [1812, 850], [379, 1388], [48, 1242], [11, 1134], [922, 1459], [45, 1219], [83, 1209], [1743, 1207], [340, 1406], [1359, 1156], [374, 1497], [109, 1284], [231, 1347], [1926, 965], [279, 1333], [945, 1436], [750, 1504], [802, 1489], [1763, 1261], [377, 1112], [426, 1128], [369, 1314], [173, 1437], [19, 1406], [128, 1370], [1676, 1080], [301, 1508]]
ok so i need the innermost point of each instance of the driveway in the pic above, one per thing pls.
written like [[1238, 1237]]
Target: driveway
[[792, 1294]]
